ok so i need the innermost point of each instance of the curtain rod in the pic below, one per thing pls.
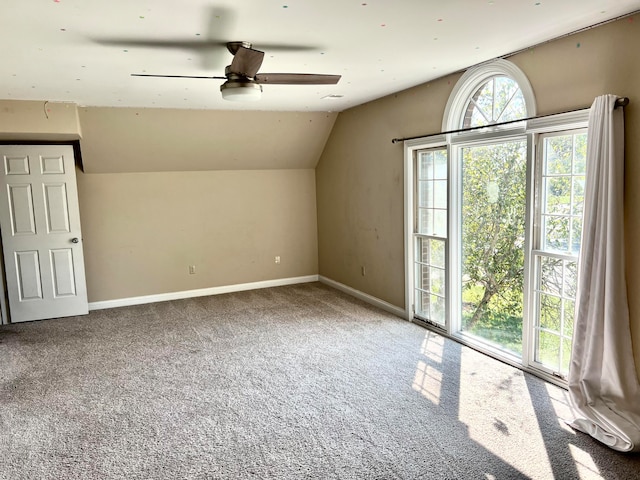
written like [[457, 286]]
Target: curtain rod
[[620, 102]]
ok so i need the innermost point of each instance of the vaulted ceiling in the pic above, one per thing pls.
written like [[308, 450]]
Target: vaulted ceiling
[[84, 51]]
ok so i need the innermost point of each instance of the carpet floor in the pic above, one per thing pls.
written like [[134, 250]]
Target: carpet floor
[[285, 383]]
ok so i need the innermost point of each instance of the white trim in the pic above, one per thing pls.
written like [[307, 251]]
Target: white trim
[[484, 136], [559, 122], [408, 228], [163, 297], [471, 81], [410, 146], [528, 283], [430, 141], [400, 312]]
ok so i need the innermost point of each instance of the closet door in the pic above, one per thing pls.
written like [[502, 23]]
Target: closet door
[[41, 237]]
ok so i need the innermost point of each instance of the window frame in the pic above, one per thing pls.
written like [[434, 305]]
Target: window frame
[[578, 124], [531, 128], [472, 79], [415, 234]]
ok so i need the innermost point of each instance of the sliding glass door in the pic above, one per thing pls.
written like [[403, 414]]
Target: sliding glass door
[[495, 243], [492, 242]]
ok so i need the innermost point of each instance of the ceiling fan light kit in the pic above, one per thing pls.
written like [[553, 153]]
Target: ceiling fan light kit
[[241, 91]]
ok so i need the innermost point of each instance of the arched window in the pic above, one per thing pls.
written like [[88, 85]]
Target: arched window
[[489, 94], [498, 100]]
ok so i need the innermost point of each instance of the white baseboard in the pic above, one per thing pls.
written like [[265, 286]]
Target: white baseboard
[[364, 296], [163, 297]]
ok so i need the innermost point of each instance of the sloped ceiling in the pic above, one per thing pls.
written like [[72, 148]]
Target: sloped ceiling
[[125, 140], [83, 51]]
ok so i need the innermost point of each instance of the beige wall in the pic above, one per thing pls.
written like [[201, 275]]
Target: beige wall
[[224, 191], [141, 231], [162, 140], [359, 187], [35, 121]]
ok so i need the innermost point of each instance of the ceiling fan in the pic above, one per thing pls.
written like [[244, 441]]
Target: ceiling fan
[[244, 83]]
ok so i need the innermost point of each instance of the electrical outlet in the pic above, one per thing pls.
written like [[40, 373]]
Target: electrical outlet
[[277, 258], [192, 269]]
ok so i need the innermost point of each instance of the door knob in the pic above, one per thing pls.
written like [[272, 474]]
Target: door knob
[[74, 240]]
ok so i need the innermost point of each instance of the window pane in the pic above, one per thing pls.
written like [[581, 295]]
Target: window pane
[[425, 221], [548, 349], [550, 312], [555, 295], [578, 195], [440, 194], [505, 88], [437, 253], [558, 195], [571, 279], [580, 153], [422, 304], [497, 100], [515, 109], [423, 251], [477, 119], [556, 233], [425, 194], [576, 234], [437, 280], [566, 355], [559, 155], [493, 229], [551, 275], [440, 164], [438, 310], [430, 279], [484, 100], [423, 277], [425, 166], [569, 307], [440, 223]]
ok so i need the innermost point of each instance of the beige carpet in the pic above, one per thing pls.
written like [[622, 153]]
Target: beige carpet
[[289, 382]]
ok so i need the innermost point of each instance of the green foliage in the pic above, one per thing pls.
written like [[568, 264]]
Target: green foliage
[[493, 229], [494, 324]]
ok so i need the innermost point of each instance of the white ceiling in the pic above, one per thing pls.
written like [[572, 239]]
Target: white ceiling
[[51, 50]]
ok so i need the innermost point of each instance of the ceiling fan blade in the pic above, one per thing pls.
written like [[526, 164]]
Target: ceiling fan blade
[[297, 79], [176, 76], [246, 61], [197, 45]]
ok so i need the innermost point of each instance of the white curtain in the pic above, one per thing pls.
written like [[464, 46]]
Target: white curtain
[[603, 384]]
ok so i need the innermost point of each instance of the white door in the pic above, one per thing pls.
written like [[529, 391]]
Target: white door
[[41, 237]]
